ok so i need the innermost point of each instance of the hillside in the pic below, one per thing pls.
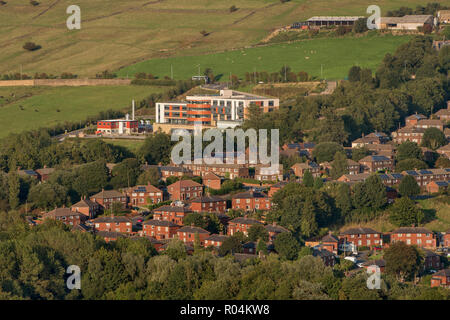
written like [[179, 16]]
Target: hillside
[[117, 33]]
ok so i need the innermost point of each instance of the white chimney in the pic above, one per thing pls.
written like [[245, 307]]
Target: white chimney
[[133, 111]]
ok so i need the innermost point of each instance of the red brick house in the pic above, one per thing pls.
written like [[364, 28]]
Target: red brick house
[[171, 213], [376, 163], [276, 187], [87, 207], [169, 171], [113, 223], [327, 257], [184, 190], [241, 224], [215, 240], [66, 216], [209, 204], [44, 173], [144, 195], [228, 170], [274, 230], [160, 229], [250, 201], [362, 237], [446, 239], [106, 198], [109, 236], [420, 237], [380, 263], [408, 133], [432, 261], [437, 186], [212, 181], [444, 151], [330, 243], [430, 123], [300, 169], [413, 119], [187, 234], [441, 279]]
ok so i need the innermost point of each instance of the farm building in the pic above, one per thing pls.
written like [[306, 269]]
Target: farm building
[[323, 21], [444, 16], [408, 22]]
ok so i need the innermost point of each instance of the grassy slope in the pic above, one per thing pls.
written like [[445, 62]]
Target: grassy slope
[[132, 145], [335, 55], [118, 33], [74, 103]]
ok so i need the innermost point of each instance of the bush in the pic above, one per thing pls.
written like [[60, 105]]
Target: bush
[[233, 8], [31, 46], [204, 33], [34, 3], [105, 75], [154, 82]]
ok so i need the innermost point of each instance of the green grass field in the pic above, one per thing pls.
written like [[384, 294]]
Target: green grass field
[[118, 33], [40, 106], [132, 145], [335, 55]]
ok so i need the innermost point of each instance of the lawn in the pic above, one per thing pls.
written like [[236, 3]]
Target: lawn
[[328, 58], [131, 145], [34, 107], [118, 33]]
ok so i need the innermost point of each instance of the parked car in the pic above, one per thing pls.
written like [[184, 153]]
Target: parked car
[[352, 259]]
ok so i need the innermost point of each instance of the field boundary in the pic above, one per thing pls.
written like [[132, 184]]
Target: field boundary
[[65, 82]]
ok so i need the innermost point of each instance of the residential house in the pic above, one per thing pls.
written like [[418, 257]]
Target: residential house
[[376, 163], [208, 204], [215, 240], [109, 236], [268, 173], [227, 170], [44, 173], [113, 223], [251, 200], [430, 123], [327, 257], [413, 119], [241, 224], [409, 133], [380, 263], [185, 190], [187, 234], [446, 239], [274, 230], [144, 195], [66, 216], [212, 181], [87, 207], [169, 171], [300, 169], [441, 279], [425, 176], [276, 187], [173, 213], [437, 186], [160, 229], [418, 236], [361, 237], [432, 261], [444, 151], [106, 198]]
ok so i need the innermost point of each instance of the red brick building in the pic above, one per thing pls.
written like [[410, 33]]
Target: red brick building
[[113, 223], [212, 181], [376, 163], [106, 198], [276, 187], [187, 234], [184, 190], [171, 213], [160, 229], [251, 200], [446, 239], [412, 134], [327, 257], [437, 186], [420, 237], [241, 224], [274, 230], [87, 207], [66, 216], [432, 261], [413, 119], [44, 173], [361, 237], [330, 243], [227, 170], [300, 169], [109, 236], [144, 195], [215, 240], [441, 279], [209, 204]]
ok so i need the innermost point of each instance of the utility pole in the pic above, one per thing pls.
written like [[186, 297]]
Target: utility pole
[[285, 73], [171, 72], [20, 72], [321, 71]]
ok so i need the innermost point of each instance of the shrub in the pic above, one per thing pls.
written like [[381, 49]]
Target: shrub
[[31, 46], [204, 33], [233, 8], [34, 3]]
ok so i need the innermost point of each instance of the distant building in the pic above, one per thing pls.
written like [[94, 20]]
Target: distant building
[[209, 204], [87, 207], [251, 200], [143, 195], [187, 234], [112, 223], [325, 21], [376, 163], [420, 237], [441, 279], [362, 237], [173, 213], [106, 198], [117, 126], [300, 169], [66, 216], [408, 22], [212, 181], [215, 240], [241, 224], [443, 16], [160, 229], [185, 190]]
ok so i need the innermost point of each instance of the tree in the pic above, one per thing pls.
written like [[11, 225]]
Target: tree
[[402, 260], [152, 176], [433, 138], [325, 151], [410, 164], [230, 245], [287, 246], [195, 219], [360, 25], [318, 183], [14, 189], [409, 150], [442, 162], [176, 249], [308, 222], [354, 74], [370, 194], [156, 149], [47, 195], [404, 213], [308, 179], [339, 166], [257, 232], [408, 187], [261, 247], [125, 174], [359, 153]]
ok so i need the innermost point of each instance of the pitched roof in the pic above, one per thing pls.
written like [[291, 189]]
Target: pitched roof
[[169, 208], [322, 253], [330, 238], [275, 228], [206, 199], [249, 195], [191, 229], [445, 273], [160, 223], [217, 237], [411, 230], [185, 184], [85, 203], [61, 212], [360, 230], [144, 188], [211, 176], [111, 219], [243, 220], [379, 263], [374, 158], [110, 234], [45, 171], [106, 194]]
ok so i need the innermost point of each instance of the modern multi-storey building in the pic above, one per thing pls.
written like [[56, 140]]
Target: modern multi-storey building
[[207, 110]]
